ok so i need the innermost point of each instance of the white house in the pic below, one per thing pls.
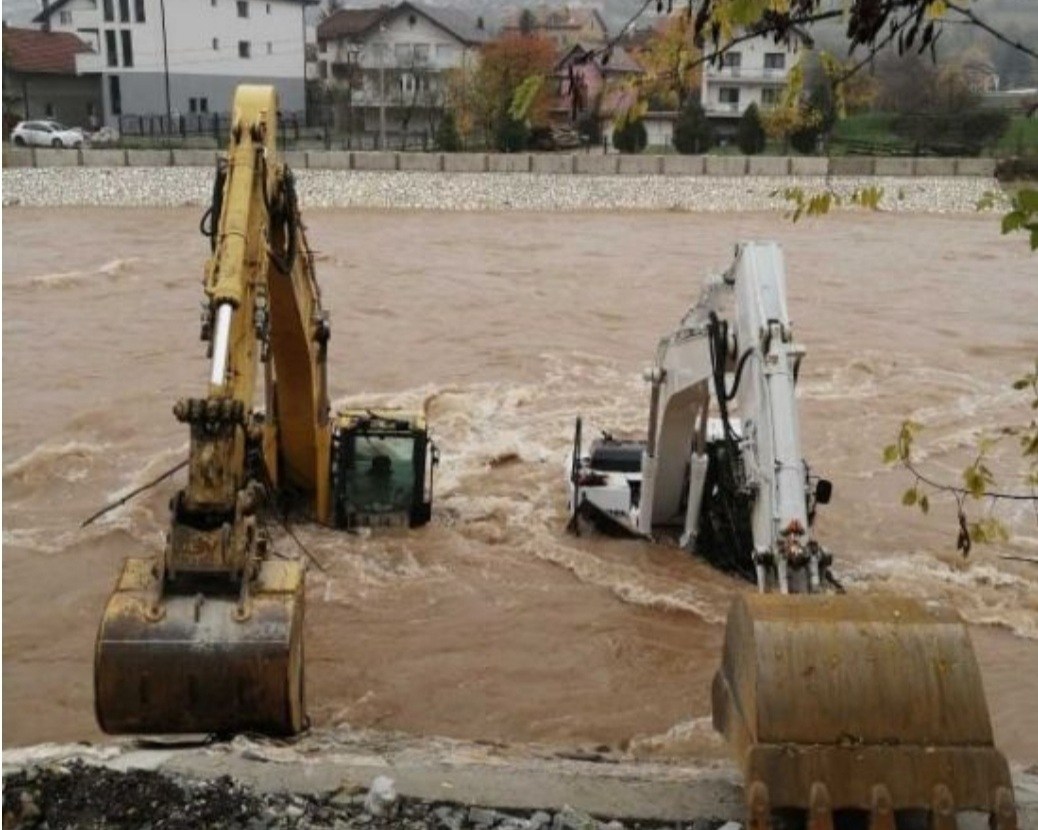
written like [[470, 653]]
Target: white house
[[753, 72], [205, 48], [385, 68]]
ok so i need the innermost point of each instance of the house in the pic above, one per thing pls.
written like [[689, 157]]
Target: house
[[753, 72], [199, 50], [40, 79], [591, 82], [564, 26], [386, 69]]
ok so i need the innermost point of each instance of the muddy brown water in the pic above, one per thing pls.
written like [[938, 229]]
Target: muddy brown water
[[492, 623]]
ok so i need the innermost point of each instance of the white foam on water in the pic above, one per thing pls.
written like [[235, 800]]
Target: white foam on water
[[112, 270], [984, 592]]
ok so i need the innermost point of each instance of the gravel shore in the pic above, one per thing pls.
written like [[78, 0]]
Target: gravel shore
[[164, 187]]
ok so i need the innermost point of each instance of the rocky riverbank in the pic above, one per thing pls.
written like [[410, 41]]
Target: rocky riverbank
[[164, 187], [367, 780], [77, 795]]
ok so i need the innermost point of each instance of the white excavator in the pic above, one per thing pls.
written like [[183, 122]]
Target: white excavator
[[832, 702]]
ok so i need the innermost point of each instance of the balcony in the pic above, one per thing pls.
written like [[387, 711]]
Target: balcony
[[740, 74], [88, 63]]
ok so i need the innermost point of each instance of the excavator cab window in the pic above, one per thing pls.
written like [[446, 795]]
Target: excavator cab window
[[379, 478]]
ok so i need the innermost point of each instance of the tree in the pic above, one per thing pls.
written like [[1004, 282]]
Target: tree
[[750, 137], [447, 138], [670, 59], [693, 132], [630, 136], [507, 67]]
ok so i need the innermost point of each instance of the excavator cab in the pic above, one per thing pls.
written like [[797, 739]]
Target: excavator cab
[[382, 469]]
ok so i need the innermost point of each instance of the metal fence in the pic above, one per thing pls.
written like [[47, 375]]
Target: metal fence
[[215, 124]]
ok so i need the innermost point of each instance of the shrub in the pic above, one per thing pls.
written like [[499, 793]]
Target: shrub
[[631, 137], [805, 141], [511, 136], [447, 138], [750, 137], [692, 130], [590, 128]]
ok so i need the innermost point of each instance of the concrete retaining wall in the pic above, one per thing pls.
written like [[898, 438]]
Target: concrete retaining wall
[[542, 163]]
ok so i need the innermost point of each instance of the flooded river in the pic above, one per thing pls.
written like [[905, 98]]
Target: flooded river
[[492, 623]]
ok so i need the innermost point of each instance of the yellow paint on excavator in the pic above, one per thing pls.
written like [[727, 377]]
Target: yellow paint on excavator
[[865, 702]]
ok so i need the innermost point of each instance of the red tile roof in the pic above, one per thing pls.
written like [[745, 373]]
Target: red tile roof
[[31, 50]]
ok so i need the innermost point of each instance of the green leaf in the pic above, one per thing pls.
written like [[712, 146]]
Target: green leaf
[[890, 454], [924, 504], [910, 496], [1027, 201], [1012, 221]]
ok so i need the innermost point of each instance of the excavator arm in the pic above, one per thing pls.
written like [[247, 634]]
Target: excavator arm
[[208, 637]]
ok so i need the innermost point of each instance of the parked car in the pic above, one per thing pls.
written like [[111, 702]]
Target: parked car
[[46, 134]]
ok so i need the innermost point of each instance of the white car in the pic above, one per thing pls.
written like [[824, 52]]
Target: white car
[[46, 134]]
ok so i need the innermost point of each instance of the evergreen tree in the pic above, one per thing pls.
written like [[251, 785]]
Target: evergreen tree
[[631, 137], [692, 130], [447, 138], [751, 138]]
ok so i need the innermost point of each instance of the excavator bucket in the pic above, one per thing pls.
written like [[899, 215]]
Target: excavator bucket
[[871, 704], [195, 663]]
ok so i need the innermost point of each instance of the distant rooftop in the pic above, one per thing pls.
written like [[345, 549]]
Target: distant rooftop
[[32, 50], [358, 23]]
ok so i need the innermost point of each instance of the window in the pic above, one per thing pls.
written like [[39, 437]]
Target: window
[[192, 105], [270, 48], [216, 44], [770, 97], [110, 48], [446, 54], [203, 105], [322, 46], [268, 8], [65, 18], [774, 60], [732, 60], [421, 53], [403, 54], [728, 95], [244, 49], [115, 97], [124, 11], [243, 8], [109, 10], [48, 110], [127, 39], [212, 3], [138, 9]]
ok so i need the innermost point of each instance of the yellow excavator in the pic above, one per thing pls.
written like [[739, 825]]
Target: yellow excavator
[[208, 636], [831, 701]]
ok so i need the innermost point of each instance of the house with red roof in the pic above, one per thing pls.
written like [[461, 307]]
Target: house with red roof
[[40, 79]]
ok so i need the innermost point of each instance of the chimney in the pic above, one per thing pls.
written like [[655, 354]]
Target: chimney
[[479, 22], [45, 25]]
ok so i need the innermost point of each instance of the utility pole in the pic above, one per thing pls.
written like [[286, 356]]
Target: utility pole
[[165, 72], [382, 88]]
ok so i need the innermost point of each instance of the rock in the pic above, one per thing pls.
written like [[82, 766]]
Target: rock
[[449, 818], [29, 811], [570, 819], [538, 820], [482, 817], [612, 825], [730, 825], [294, 811], [382, 796]]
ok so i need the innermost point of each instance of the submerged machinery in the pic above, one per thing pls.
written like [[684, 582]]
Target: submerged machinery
[[831, 702], [208, 636]]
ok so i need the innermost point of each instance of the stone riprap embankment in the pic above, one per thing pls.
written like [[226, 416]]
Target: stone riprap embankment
[[175, 186]]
